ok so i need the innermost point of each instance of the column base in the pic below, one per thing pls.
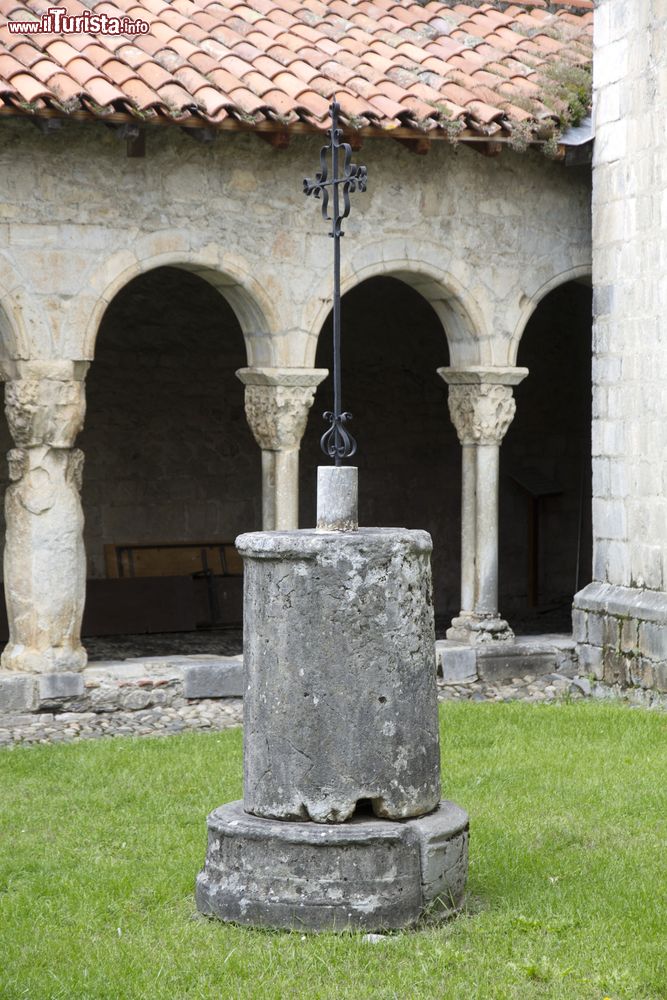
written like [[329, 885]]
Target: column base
[[368, 873], [473, 629], [53, 659]]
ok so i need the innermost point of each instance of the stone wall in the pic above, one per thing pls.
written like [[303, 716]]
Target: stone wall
[[615, 621], [481, 238]]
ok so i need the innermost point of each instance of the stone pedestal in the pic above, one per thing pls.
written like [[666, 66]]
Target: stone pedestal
[[44, 557], [341, 731], [364, 874], [482, 407]]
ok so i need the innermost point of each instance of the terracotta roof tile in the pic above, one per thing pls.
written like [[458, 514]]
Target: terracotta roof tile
[[140, 94], [390, 63], [118, 72]]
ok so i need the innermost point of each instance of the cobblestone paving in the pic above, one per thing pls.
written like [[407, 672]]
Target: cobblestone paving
[[216, 714], [66, 727], [552, 688]]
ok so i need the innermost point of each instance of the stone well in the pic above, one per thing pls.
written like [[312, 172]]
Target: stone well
[[341, 823]]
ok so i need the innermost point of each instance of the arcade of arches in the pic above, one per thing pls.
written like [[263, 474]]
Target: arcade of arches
[[170, 458]]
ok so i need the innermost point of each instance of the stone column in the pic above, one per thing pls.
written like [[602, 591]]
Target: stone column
[[277, 401], [481, 405], [44, 559]]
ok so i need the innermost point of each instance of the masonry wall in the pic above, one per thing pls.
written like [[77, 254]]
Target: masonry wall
[[481, 238], [621, 620]]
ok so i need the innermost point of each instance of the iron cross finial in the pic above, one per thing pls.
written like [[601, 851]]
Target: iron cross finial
[[336, 442]]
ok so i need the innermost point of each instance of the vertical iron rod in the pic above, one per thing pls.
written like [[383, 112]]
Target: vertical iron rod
[[336, 442], [336, 293]]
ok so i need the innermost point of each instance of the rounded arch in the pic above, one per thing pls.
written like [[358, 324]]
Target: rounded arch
[[530, 303], [229, 276], [463, 321]]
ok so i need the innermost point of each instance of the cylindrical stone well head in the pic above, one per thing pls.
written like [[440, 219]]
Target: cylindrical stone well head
[[340, 705]]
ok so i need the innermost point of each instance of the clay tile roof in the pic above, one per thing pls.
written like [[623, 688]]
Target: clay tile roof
[[432, 66]]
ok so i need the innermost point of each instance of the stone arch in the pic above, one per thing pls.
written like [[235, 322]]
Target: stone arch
[[229, 275], [463, 321], [408, 454], [529, 303]]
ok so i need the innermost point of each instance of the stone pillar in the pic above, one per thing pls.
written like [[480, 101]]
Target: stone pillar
[[481, 405], [44, 559], [277, 401]]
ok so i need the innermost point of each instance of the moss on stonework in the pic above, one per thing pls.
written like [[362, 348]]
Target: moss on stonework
[[570, 90]]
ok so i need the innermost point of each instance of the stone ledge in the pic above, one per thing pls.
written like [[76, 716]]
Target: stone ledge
[[123, 685], [222, 679], [626, 602], [18, 692], [501, 661]]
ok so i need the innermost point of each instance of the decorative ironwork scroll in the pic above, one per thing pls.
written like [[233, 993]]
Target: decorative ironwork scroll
[[336, 442]]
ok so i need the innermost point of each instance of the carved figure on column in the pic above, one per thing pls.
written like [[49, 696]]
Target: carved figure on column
[[44, 559]]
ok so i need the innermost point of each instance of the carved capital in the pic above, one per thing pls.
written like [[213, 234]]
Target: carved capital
[[481, 414], [45, 411], [277, 414], [277, 401]]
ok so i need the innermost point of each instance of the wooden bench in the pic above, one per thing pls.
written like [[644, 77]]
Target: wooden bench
[[173, 559], [164, 587]]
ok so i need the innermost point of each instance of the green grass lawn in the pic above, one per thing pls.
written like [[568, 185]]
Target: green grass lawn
[[100, 843]]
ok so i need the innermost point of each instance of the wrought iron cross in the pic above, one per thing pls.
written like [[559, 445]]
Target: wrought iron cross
[[336, 442]]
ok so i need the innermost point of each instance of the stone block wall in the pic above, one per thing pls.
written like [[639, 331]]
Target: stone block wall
[[618, 634], [621, 635]]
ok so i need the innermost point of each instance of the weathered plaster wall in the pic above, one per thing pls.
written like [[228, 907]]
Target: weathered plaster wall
[[482, 238], [622, 620]]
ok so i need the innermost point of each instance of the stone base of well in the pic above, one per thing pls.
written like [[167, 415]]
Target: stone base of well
[[367, 873]]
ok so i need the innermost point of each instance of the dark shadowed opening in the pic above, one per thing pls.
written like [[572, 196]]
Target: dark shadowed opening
[[408, 453], [172, 470], [545, 501]]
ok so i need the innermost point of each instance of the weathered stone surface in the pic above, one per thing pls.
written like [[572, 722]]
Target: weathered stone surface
[[277, 401], [368, 873], [337, 498], [502, 661], [60, 686], [17, 694], [220, 679], [456, 664], [443, 846], [579, 625], [341, 698], [590, 660], [44, 559]]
